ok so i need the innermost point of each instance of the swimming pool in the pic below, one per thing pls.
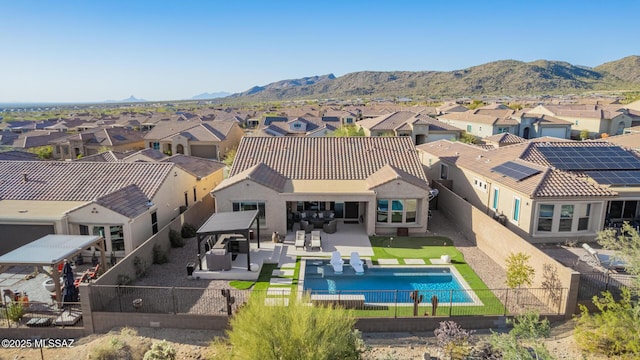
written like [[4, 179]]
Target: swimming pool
[[387, 284]]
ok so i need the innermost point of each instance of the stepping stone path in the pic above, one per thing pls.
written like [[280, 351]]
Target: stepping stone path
[[388, 261], [285, 272], [414, 261], [278, 291], [281, 281]]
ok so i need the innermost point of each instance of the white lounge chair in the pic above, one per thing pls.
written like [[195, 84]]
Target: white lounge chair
[[300, 239], [315, 239], [356, 263], [337, 262]]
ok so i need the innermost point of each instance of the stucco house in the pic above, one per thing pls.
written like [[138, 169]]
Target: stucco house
[[311, 126], [125, 202], [480, 125], [377, 181], [94, 141], [546, 190], [420, 127], [596, 119], [205, 139]]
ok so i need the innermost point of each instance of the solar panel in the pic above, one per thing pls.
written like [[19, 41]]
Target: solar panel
[[615, 177], [590, 158], [515, 171]]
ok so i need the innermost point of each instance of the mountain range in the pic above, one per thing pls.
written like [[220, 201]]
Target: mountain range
[[504, 77], [213, 95], [130, 99]]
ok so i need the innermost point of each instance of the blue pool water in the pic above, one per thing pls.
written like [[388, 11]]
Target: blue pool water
[[379, 284]]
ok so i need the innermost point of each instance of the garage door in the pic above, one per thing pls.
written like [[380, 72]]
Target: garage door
[[14, 236], [205, 151], [555, 132]]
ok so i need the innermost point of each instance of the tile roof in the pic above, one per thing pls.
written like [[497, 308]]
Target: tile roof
[[499, 113], [129, 201], [107, 156], [547, 183], [260, 173], [328, 158], [545, 119], [390, 173], [469, 117], [18, 155], [191, 129], [77, 181], [631, 140], [152, 154], [195, 165], [505, 138]]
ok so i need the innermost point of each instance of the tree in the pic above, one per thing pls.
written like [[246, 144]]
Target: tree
[[230, 157], [297, 331], [519, 272], [626, 243], [43, 152], [475, 104], [584, 134], [348, 130], [467, 138]]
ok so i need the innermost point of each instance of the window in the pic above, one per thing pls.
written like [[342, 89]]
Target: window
[[99, 231], [502, 130], [625, 210], [195, 195], [583, 219], [397, 208], [545, 217], [516, 209], [566, 217], [84, 230], [252, 205], [155, 145], [296, 125], [117, 238], [154, 222], [383, 211], [186, 199], [349, 120], [468, 128], [496, 198], [444, 171], [400, 212], [411, 210], [481, 185]]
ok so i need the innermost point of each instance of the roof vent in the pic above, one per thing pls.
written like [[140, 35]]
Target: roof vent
[[25, 178], [479, 156]]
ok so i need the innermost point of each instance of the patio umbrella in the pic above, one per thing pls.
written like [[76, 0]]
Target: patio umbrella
[[70, 293]]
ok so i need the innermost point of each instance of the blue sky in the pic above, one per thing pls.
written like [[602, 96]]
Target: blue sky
[[165, 50]]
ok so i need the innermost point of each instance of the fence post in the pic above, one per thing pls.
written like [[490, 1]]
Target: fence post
[[506, 302], [560, 301], [450, 302], [173, 299], [119, 298], [395, 305]]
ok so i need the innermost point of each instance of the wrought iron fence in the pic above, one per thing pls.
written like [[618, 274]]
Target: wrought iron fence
[[594, 284], [393, 303], [38, 314]]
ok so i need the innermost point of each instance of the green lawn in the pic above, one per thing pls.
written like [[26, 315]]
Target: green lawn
[[402, 247]]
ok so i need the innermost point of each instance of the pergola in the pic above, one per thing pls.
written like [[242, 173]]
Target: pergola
[[237, 222], [51, 250]]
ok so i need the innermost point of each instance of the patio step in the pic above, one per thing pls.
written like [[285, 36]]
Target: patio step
[[275, 256]]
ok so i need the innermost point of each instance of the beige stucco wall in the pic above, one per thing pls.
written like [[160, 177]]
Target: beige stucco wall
[[477, 129], [399, 189]]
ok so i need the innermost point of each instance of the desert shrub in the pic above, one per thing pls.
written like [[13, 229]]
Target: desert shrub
[[14, 311], [188, 231], [454, 341], [529, 326], [297, 331], [140, 267], [175, 239], [159, 255], [523, 341], [160, 351], [614, 330], [123, 345]]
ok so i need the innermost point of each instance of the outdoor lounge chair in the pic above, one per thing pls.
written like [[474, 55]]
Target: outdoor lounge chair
[[306, 226], [356, 263], [300, 239], [315, 239], [330, 227], [337, 262]]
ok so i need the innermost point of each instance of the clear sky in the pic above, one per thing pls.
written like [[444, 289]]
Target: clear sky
[[73, 51]]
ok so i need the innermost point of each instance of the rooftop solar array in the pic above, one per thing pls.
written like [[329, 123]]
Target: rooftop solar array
[[615, 177], [515, 171], [590, 158]]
